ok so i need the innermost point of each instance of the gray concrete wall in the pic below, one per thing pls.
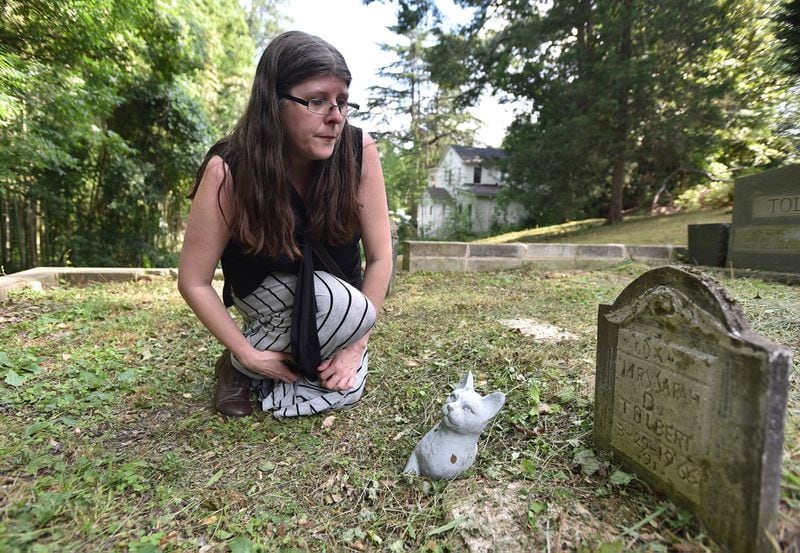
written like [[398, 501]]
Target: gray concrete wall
[[417, 256], [47, 277], [465, 256]]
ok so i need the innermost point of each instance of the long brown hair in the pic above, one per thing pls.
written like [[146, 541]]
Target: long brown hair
[[262, 218]]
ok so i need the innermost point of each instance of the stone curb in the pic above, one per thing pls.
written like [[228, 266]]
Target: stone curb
[[466, 256], [545, 256], [40, 278]]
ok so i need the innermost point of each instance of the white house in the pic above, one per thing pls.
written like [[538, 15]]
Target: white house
[[464, 180]]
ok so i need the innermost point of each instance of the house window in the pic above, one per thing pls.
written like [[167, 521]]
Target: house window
[[476, 178]]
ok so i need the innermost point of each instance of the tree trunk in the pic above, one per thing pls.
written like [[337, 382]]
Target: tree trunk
[[33, 246], [21, 227], [617, 185], [5, 235], [624, 116]]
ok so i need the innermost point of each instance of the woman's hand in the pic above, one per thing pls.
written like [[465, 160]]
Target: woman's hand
[[269, 364], [339, 371]]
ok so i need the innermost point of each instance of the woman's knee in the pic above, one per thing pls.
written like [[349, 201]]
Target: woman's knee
[[340, 299]]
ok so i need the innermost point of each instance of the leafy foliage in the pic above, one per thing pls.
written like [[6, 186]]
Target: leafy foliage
[[106, 107], [716, 195], [620, 98], [418, 121], [788, 19]]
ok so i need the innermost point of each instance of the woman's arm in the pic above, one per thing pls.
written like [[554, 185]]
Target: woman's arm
[[206, 236], [338, 372], [376, 234]]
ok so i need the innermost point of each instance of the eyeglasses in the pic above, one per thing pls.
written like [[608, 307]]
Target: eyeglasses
[[323, 107]]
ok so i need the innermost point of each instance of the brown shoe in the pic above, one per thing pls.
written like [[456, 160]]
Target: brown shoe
[[232, 396]]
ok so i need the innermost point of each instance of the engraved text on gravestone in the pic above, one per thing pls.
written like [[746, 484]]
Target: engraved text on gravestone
[[661, 400]]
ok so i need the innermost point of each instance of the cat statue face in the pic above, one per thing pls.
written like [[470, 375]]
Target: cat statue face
[[451, 446]]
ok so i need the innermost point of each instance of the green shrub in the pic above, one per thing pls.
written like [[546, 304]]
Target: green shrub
[[715, 195]]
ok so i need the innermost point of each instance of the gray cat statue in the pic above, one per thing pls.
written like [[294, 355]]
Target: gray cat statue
[[451, 446]]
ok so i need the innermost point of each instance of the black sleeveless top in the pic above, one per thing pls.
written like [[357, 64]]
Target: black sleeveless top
[[244, 272]]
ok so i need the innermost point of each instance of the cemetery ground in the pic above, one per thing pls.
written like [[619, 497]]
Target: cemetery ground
[[110, 441]]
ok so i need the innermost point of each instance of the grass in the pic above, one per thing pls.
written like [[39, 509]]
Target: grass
[[634, 230], [110, 442]]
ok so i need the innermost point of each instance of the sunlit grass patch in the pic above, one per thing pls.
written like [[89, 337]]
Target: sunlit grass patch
[[634, 230]]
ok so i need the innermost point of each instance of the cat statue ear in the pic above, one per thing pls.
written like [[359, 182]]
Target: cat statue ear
[[466, 382], [494, 402], [451, 446]]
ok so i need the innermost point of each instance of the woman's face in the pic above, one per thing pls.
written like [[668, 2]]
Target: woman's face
[[311, 136]]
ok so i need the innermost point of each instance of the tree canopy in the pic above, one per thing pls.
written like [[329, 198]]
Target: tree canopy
[[416, 120], [788, 32], [619, 98], [105, 108]]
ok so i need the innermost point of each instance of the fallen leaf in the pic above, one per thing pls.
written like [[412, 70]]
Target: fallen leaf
[[241, 545], [14, 379], [169, 538], [620, 478], [215, 477], [447, 527]]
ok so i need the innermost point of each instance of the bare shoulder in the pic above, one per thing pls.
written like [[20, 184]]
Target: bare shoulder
[[366, 139], [216, 170], [371, 171], [216, 177], [370, 148]]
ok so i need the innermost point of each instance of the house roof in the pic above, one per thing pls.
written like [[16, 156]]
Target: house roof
[[476, 155], [487, 190], [438, 194]]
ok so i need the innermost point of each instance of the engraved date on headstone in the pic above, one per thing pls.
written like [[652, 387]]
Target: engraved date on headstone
[[659, 405]]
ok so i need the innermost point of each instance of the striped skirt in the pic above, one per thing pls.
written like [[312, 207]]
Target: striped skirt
[[344, 315]]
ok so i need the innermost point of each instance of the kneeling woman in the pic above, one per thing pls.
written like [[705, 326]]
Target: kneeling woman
[[284, 201]]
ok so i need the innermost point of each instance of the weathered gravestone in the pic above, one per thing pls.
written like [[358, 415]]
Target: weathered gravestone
[[708, 244], [693, 402], [765, 233]]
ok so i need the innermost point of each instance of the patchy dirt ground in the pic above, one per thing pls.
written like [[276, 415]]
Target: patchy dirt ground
[[542, 332]]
